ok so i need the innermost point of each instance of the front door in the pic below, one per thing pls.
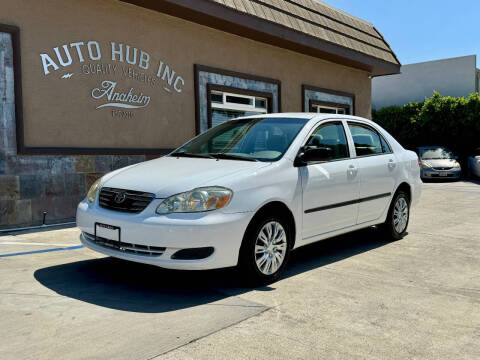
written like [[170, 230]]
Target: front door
[[330, 188]]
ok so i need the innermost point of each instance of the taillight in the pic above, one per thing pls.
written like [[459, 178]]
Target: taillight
[[419, 162]]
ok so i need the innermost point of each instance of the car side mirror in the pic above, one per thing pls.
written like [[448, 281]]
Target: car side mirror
[[307, 156]]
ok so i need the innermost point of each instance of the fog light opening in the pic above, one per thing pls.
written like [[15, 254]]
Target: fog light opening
[[193, 254]]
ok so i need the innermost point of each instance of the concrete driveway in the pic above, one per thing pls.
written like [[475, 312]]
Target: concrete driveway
[[355, 296]]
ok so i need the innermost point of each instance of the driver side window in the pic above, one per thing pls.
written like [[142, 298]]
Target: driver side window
[[331, 136]]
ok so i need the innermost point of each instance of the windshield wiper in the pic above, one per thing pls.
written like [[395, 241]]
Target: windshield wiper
[[231, 157], [187, 154]]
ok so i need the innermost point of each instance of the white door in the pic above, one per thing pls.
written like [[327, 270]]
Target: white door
[[377, 171], [330, 188]]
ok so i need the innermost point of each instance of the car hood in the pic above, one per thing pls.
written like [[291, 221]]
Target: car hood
[[167, 176], [441, 162]]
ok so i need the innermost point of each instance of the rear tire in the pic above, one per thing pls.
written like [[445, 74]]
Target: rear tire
[[265, 250], [398, 216]]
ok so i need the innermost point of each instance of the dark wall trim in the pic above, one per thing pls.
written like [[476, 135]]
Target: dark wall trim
[[196, 84], [327, 91], [197, 68], [221, 17], [32, 150], [14, 32], [346, 203], [93, 151], [237, 74], [213, 87]]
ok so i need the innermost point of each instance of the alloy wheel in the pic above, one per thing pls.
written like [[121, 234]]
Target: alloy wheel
[[400, 215], [270, 248]]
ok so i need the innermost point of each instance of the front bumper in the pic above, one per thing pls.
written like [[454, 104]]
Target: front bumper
[[222, 231], [453, 173]]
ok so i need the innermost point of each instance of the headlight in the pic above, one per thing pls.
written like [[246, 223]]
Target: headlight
[[456, 165], [197, 200], [426, 165], [92, 193]]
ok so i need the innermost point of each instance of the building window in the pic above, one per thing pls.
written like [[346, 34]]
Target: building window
[[327, 101], [221, 95], [226, 104], [329, 108]]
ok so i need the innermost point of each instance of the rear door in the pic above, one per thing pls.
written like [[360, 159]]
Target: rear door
[[330, 188], [377, 166]]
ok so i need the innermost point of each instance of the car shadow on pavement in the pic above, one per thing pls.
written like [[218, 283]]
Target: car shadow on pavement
[[128, 286], [472, 180]]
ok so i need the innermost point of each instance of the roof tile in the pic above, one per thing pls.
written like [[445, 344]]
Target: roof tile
[[318, 20]]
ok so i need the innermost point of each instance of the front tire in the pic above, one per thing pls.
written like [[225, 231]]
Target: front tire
[[265, 250], [398, 216]]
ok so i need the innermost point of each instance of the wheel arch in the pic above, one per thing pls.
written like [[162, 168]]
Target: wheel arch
[[405, 187], [279, 208]]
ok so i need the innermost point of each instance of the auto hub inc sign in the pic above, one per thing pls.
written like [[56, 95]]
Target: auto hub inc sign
[[115, 67]]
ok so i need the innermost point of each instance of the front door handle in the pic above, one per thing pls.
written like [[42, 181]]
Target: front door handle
[[352, 170]]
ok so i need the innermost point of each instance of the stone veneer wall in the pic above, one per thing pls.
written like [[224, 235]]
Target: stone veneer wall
[[30, 185]]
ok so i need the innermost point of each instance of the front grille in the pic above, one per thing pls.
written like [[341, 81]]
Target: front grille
[[442, 168], [126, 247], [124, 200]]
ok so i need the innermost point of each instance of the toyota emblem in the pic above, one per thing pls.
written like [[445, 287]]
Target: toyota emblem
[[120, 197]]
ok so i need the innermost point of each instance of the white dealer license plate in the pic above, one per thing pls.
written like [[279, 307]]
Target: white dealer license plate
[[109, 232]]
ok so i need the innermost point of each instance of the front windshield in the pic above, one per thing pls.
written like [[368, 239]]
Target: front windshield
[[436, 153], [258, 139]]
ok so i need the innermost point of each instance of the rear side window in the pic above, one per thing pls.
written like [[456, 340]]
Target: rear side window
[[332, 136], [366, 140]]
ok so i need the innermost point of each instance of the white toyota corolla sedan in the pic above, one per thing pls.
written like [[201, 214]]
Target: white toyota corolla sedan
[[250, 190]]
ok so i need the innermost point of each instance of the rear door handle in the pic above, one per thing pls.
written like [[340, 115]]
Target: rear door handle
[[352, 170], [391, 164]]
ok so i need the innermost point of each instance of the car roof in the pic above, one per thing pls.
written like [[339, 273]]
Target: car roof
[[308, 116], [287, 115]]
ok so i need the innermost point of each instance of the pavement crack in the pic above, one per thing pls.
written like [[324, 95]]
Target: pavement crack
[[210, 333]]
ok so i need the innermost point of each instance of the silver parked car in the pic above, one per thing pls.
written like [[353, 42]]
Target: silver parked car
[[438, 162], [474, 163]]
